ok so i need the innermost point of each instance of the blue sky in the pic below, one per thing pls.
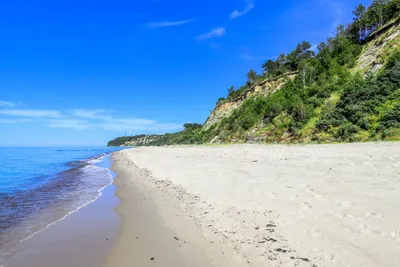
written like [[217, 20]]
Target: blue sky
[[81, 72]]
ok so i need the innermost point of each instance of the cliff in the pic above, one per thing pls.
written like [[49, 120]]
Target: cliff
[[264, 88], [138, 140], [380, 45]]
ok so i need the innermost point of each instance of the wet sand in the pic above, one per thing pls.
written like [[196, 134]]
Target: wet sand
[[83, 239], [147, 237], [317, 205]]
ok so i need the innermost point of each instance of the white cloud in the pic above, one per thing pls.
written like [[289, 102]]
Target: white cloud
[[252, 57], [215, 45], [339, 14], [24, 120], [140, 125], [110, 123], [81, 119], [34, 113], [6, 121], [136, 121], [169, 23], [6, 104], [216, 32], [101, 114], [70, 123], [101, 118], [235, 14], [9, 121], [336, 8]]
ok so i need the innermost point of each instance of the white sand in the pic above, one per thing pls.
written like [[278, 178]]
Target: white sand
[[317, 205]]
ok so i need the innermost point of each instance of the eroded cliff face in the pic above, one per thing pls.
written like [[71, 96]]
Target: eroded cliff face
[[264, 88], [381, 44], [144, 140]]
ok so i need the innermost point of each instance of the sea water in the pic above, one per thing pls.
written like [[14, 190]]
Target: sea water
[[40, 186]]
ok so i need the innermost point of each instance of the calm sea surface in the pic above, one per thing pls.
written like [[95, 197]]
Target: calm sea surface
[[40, 186]]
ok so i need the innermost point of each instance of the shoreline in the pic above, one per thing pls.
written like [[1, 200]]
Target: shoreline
[[68, 240], [331, 205], [145, 237]]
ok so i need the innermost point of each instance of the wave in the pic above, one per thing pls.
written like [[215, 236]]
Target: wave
[[100, 193], [30, 212], [78, 150]]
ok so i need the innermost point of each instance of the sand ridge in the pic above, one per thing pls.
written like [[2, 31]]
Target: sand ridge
[[329, 205]]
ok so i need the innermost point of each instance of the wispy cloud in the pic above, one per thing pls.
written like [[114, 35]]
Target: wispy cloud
[[82, 119], [252, 57], [101, 114], [7, 121], [138, 124], [71, 123], [34, 113], [335, 6], [214, 33], [169, 23], [19, 120], [6, 104], [215, 45], [154, 126], [235, 14], [24, 120], [136, 121]]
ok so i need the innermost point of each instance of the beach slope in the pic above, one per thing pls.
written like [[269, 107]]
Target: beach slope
[[251, 205]]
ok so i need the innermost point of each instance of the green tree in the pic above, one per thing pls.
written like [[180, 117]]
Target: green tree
[[359, 12], [307, 71], [270, 67], [252, 77], [394, 6], [378, 11], [281, 62], [231, 92], [301, 52], [360, 23], [192, 126], [221, 101]]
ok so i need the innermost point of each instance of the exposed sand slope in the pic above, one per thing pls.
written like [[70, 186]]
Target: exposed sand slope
[[317, 205]]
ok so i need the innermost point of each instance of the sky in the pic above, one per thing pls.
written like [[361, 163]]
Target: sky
[[80, 73]]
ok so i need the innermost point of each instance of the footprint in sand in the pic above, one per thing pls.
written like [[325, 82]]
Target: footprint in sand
[[345, 204], [315, 233], [315, 194], [304, 206], [373, 215]]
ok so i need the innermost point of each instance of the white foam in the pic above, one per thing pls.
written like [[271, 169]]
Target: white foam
[[100, 193], [97, 160]]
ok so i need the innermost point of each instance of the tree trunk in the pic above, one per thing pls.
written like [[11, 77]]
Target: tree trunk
[[304, 78]]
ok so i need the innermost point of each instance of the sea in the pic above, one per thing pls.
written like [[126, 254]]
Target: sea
[[40, 186]]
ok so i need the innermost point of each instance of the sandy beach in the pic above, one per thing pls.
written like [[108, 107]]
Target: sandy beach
[[82, 239], [252, 205], [80, 225]]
